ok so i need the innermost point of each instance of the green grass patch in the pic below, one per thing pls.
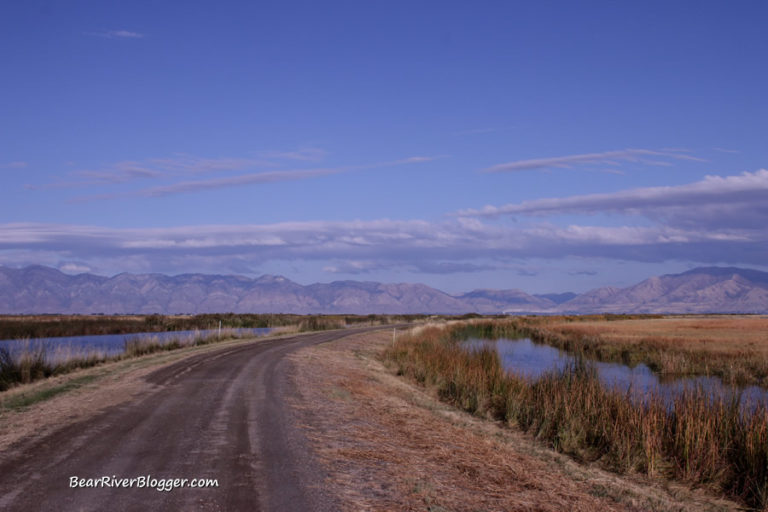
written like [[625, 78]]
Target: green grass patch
[[25, 399]]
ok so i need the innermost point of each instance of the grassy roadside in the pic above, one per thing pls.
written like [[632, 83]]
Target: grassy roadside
[[28, 393], [388, 444], [35, 363], [701, 440], [30, 411], [21, 400], [45, 326]]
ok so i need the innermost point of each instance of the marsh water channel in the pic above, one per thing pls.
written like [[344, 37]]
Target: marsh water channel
[[523, 357], [114, 344]]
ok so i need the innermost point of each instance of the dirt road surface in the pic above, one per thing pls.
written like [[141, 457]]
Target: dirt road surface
[[219, 415]]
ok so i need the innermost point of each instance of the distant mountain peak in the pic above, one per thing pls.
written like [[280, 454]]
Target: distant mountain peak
[[40, 289], [753, 275]]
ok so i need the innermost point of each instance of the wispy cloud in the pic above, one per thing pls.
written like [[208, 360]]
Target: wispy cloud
[[14, 165], [582, 273], [185, 166], [117, 34], [189, 164], [120, 172], [646, 156], [181, 165], [270, 177], [714, 201], [414, 160], [477, 131], [306, 154], [244, 179], [357, 267]]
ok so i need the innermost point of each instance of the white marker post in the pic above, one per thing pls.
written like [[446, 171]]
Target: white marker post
[[219, 330], [394, 335]]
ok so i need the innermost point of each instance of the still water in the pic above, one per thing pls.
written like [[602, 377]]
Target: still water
[[114, 344], [532, 360]]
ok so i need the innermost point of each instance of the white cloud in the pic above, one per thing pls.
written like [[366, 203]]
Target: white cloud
[[72, 267]]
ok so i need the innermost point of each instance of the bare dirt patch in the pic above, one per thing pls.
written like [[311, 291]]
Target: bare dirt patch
[[389, 445]]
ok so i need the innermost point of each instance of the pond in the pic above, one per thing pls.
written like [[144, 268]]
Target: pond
[[113, 344], [525, 358]]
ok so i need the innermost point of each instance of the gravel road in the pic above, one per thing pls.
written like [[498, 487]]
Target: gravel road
[[220, 415]]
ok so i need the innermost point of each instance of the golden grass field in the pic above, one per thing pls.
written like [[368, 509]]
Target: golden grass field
[[710, 334], [733, 348]]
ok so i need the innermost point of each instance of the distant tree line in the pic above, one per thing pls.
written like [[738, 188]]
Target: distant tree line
[[46, 326]]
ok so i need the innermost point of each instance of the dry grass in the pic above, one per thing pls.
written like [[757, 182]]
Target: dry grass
[[734, 348], [34, 410], [45, 326], [696, 438], [34, 363], [711, 334], [388, 445]]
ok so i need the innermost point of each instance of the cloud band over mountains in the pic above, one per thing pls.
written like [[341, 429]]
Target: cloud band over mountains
[[715, 220]]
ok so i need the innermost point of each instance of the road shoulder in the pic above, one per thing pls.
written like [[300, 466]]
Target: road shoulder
[[386, 444], [77, 396]]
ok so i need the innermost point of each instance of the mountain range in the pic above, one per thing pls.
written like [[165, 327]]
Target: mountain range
[[39, 289]]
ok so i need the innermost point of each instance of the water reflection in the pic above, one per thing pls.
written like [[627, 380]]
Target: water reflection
[[532, 360]]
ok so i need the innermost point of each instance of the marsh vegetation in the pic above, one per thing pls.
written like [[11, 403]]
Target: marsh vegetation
[[37, 361], [698, 438], [731, 347], [27, 358], [48, 326]]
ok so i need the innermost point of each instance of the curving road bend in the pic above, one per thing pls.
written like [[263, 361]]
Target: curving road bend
[[220, 415]]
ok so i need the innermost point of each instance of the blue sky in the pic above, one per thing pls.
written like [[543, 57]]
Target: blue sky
[[548, 146]]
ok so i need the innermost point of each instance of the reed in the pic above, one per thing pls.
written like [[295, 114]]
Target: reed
[[706, 346], [699, 439], [322, 323], [34, 362], [47, 326]]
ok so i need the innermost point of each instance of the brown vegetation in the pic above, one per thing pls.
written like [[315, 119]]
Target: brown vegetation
[[389, 445], [34, 363], [700, 439], [734, 348], [47, 326]]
